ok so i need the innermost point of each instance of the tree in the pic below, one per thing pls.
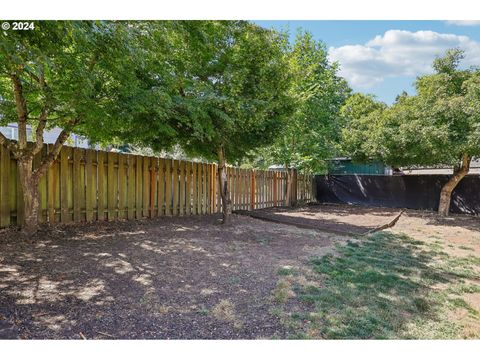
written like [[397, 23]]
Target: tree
[[438, 126], [235, 93], [99, 79], [360, 116], [310, 134]]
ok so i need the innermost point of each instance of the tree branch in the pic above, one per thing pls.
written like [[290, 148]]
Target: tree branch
[[466, 163], [9, 144], [42, 122], [21, 105], [57, 147], [42, 119]]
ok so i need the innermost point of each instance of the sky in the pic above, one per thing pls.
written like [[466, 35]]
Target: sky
[[383, 58]]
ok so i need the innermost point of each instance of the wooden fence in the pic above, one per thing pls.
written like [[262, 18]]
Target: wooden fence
[[90, 185]]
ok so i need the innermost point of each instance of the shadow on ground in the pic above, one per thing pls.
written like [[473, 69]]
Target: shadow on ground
[[165, 278]]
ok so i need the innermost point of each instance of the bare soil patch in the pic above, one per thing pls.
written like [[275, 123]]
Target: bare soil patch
[[337, 219], [166, 278]]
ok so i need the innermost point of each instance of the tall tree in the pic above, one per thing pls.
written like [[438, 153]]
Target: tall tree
[[96, 78], [310, 134], [438, 126], [233, 93], [360, 118]]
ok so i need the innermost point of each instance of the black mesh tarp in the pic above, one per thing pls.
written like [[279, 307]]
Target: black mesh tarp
[[406, 191]]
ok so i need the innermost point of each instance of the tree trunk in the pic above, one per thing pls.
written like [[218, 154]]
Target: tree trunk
[[447, 189], [29, 177], [288, 195], [31, 201], [223, 187]]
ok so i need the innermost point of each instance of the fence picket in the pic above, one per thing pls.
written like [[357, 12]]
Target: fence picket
[[175, 187], [195, 188], [138, 187], [89, 185], [4, 187], [131, 187], [153, 185], [52, 174], [64, 216], [146, 187], [101, 186], [161, 187], [122, 187], [168, 188], [181, 166], [188, 195], [77, 184]]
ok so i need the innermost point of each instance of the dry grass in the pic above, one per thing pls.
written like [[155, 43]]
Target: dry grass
[[225, 311]]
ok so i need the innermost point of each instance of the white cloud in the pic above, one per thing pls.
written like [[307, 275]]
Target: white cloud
[[463, 22], [399, 53]]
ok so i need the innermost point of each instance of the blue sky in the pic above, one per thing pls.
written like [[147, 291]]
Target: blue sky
[[384, 57]]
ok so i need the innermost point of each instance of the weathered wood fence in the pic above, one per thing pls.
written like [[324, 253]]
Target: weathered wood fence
[[90, 185]]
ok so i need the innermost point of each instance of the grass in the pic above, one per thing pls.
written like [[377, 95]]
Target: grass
[[388, 286], [283, 291], [286, 271], [225, 311]]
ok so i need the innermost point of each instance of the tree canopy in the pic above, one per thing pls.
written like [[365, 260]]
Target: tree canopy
[[360, 116], [101, 79], [310, 134], [238, 88], [440, 125], [222, 90], [434, 127], [206, 85]]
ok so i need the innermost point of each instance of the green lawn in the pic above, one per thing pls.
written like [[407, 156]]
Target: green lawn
[[385, 286]]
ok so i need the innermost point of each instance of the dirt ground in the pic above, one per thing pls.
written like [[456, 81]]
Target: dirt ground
[[183, 277], [162, 278], [335, 219], [360, 219]]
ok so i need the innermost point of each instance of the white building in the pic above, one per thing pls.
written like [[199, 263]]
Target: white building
[[49, 136]]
